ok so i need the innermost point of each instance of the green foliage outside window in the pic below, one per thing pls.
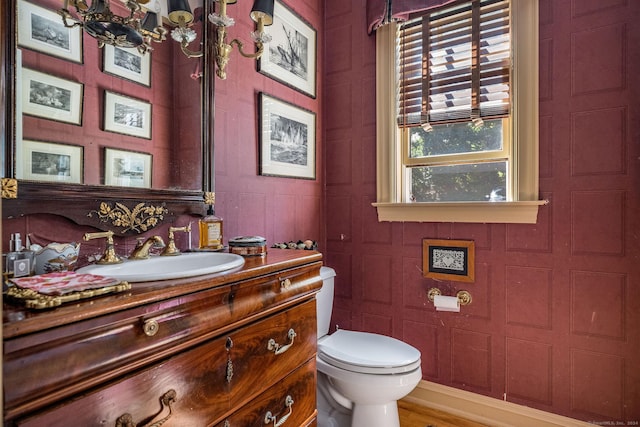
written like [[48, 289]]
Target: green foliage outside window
[[479, 181]]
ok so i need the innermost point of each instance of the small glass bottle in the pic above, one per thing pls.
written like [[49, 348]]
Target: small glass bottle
[[19, 261], [210, 228]]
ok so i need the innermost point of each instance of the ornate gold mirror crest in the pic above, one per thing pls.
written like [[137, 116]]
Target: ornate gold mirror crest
[[9, 188], [141, 218]]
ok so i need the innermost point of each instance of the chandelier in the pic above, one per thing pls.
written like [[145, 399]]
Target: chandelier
[[141, 26], [136, 30]]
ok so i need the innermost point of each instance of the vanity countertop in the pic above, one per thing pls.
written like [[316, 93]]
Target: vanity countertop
[[19, 321]]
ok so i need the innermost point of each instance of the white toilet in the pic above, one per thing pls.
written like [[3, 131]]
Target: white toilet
[[361, 375]]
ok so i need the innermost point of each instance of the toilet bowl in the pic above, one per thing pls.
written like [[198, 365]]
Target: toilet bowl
[[361, 375]]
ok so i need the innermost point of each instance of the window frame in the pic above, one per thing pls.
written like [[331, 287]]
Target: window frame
[[409, 162], [444, 159], [523, 122]]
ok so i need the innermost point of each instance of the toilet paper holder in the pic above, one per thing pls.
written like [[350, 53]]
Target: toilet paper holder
[[464, 297]]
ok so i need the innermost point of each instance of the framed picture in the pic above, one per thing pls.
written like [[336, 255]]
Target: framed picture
[[448, 259], [126, 115], [287, 139], [42, 30], [127, 63], [290, 57], [50, 97], [127, 168], [50, 161]]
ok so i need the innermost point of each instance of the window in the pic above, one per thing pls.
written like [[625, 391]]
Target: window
[[458, 114]]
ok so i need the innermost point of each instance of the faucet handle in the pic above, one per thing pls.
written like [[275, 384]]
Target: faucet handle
[[109, 256], [139, 241], [171, 248]]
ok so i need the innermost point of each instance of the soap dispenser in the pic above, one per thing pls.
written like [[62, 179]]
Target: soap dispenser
[[211, 229], [20, 261]]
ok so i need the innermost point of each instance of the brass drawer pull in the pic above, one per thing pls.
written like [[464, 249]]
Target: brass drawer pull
[[285, 284], [126, 420], [270, 418], [272, 345], [150, 328]]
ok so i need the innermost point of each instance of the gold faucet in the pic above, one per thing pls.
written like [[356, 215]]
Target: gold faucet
[[171, 248], [141, 251], [109, 256]]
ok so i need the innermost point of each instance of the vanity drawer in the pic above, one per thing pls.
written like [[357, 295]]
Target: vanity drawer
[[56, 363], [294, 395], [208, 381], [267, 351]]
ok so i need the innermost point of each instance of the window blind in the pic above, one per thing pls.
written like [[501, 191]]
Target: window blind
[[454, 64]]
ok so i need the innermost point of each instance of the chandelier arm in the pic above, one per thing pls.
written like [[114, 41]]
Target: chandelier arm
[[66, 14], [133, 7], [255, 55]]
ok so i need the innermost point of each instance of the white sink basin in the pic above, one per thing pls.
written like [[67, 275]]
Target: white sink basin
[[167, 267]]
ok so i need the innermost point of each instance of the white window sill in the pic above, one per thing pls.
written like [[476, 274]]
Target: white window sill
[[522, 212]]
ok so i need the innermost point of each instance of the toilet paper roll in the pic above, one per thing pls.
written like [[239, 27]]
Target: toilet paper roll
[[444, 303]]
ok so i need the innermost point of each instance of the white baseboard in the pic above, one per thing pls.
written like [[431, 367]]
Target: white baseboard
[[485, 410]]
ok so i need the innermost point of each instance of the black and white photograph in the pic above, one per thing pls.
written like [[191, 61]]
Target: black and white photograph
[[49, 161], [51, 97], [127, 168], [50, 164], [291, 53], [287, 139], [290, 57], [128, 64], [126, 115], [42, 30]]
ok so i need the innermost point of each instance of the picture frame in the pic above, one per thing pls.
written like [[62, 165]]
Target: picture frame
[[43, 30], [287, 139], [124, 168], [290, 57], [50, 161], [128, 64], [449, 259], [50, 97], [127, 115]]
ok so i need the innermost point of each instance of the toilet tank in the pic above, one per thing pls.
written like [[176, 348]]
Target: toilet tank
[[324, 300]]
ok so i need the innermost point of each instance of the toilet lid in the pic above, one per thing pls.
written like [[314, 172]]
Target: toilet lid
[[368, 353]]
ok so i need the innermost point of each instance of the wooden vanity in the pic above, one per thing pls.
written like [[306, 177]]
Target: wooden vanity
[[228, 349]]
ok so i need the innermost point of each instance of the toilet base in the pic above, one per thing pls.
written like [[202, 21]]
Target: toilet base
[[376, 415], [362, 416], [333, 414], [330, 413], [332, 417]]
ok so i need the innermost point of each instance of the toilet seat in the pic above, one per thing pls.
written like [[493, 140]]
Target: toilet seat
[[368, 353]]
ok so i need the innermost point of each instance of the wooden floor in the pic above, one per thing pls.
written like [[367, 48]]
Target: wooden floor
[[412, 415]]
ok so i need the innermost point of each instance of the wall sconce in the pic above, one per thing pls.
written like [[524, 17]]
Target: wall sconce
[[181, 16], [137, 30], [261, 13]]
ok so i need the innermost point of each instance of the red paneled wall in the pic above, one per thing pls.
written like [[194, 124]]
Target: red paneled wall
[[280, 209], [553, 324]]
